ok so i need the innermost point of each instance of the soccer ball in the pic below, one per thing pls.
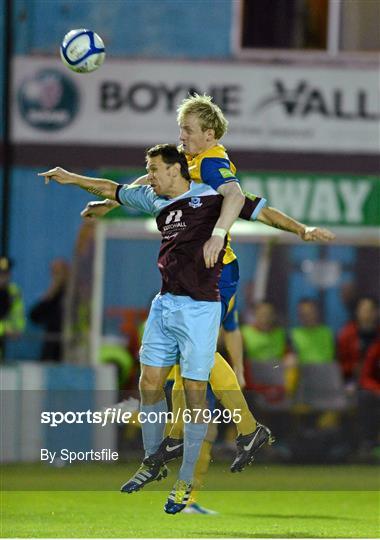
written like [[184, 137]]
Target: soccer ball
[[82, 51]]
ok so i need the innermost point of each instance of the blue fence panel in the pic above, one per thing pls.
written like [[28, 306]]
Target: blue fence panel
[[132, 277], [44, 224]]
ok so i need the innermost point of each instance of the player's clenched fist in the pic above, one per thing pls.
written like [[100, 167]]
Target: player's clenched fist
[[315, 234], [211, 250], [98, 209], [59, 175]]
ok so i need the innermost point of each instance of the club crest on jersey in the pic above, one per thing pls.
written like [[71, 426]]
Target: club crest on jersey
[[195, 202]]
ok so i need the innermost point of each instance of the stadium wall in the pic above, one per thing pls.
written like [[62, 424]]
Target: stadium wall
[[2, 22], [164, 29]]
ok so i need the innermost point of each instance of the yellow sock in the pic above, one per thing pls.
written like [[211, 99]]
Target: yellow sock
[[178, 402], [226, 388]]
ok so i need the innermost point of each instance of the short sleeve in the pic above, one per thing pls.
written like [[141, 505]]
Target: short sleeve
[[217, 171], [138, 197], [252, 206]]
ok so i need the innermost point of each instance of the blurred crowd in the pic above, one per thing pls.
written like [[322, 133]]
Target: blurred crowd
[[313, 342], [307, 378], [320, 393], [47, 312]]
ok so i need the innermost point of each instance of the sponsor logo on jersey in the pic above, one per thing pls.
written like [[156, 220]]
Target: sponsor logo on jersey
[[173, 221], [226, 173], [174, 215]]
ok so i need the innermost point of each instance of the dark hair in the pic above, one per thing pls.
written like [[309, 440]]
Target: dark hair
[[170, 155]]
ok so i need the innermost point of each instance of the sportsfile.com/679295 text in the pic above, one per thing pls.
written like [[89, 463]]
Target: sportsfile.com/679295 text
[[114, 415]]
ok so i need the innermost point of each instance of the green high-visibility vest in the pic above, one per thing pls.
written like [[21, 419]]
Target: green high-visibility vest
[[314, 344], [119, 355], [262, 346], [15, 320]]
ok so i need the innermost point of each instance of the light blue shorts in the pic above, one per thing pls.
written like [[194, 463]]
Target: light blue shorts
[[180, 329]]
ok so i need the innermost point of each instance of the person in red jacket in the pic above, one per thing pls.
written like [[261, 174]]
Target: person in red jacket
[[369, 401], [370, 375], [356, 337]]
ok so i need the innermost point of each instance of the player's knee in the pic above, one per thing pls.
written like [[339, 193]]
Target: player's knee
[[194, 386], [195, 392], [223, 380], [151, 385]]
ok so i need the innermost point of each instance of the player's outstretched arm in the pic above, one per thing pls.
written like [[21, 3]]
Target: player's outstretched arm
[[274, 218], [96, 186], [98, 209], [232, 204]]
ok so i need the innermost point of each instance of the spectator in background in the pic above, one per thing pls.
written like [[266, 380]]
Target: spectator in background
[[264, 340], [49, 311], [370, 375], [265, 347], [356, 337], [113, 350], [369, 401], [12, 317], [312, 342], [349, 297]]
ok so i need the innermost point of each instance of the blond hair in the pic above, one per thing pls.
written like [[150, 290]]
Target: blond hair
[[209, 114]]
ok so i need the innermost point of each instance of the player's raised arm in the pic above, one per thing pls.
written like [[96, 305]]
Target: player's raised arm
[[96, 186], [274, 218], [232, 204]]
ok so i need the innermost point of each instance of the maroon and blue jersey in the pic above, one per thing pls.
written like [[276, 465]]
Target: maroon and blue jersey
[[186, 223]]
